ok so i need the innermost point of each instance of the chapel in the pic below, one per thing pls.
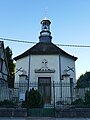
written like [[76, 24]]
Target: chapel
[[45, 63]]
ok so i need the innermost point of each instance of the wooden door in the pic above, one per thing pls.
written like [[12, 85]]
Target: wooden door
[[45, 89]]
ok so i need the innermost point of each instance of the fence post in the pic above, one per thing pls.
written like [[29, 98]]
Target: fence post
[[54, 93], [28, 78], [27, 97], [71, 87]]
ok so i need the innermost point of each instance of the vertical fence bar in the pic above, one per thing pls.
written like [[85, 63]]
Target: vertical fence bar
[[27, 94], [61, 89], [28, 86], [71, 87], [54, 93]]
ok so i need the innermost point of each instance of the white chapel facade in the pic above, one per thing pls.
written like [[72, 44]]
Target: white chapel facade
[[44, 63]]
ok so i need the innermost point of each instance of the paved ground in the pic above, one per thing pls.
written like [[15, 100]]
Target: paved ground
[[59, 118], [44, 118]]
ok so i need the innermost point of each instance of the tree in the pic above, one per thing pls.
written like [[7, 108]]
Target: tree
[[11, 66], [84, 80]]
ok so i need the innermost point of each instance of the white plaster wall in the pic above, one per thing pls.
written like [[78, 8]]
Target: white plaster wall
[[53, 63], [36, 63], [24, 63], [65, 61]]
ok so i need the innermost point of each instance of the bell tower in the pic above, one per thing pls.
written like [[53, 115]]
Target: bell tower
[[45, 34]]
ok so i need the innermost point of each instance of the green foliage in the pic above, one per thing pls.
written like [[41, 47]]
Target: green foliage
[[7, 104], [83, 103], [78, 103], [87, 98], [84, 80], [11, 66], [34, 99]]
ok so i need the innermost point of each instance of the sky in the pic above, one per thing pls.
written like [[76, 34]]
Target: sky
[[70, 24]]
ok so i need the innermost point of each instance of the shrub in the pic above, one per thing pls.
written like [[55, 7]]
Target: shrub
[[83, 103], [34, 99], [78, 103], [7, 103], [87, 98]]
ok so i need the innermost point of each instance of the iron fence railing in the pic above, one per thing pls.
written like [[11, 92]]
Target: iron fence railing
[[59, 94]]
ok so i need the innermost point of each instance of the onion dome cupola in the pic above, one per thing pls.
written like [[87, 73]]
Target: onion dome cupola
[[45, 34]]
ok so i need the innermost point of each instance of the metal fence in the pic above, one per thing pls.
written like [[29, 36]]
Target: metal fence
[[55, 95], [64, 93]]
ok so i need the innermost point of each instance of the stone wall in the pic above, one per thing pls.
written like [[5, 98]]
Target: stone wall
[[73, 112], [13, 112]]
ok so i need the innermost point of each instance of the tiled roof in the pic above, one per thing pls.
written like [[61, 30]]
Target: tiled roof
[[43, 48]]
